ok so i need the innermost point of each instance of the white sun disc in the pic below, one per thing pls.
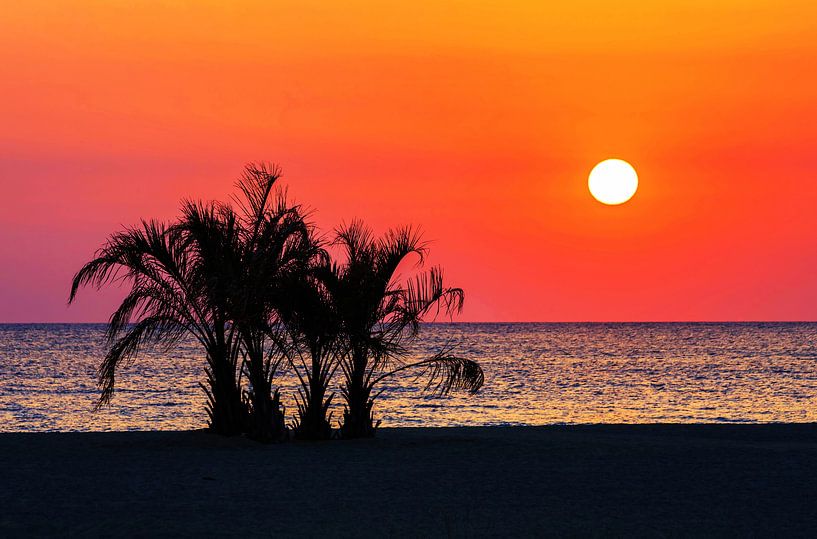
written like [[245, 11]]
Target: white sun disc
[[613, 181]]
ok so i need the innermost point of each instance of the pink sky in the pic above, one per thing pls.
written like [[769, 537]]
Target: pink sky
[[478, 123]]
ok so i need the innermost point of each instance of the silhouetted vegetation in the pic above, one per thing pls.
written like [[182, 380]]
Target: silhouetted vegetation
[[380, 316], [254, 285], [278, 248], [171, 296], [310, 316]]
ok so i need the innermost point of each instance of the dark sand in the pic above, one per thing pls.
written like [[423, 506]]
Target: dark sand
[[657, 480]]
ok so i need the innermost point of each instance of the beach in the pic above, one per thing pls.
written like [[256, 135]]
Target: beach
[[644, 480]]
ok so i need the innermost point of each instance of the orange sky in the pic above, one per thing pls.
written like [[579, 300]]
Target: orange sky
[[478, 121]]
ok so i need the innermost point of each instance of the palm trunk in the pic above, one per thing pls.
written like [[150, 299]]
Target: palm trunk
[[226, 409], [266, 417], [313, 424], [358, 420]]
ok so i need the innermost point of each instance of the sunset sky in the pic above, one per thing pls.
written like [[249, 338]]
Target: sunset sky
[[479, 121]]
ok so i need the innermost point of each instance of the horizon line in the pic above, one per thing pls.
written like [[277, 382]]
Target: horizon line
[[516, 322]]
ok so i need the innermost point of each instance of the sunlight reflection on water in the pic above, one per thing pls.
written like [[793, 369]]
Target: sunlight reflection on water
[[535, 374]]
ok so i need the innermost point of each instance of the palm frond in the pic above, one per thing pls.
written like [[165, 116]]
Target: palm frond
[[427, 292], [445, 373], [256, 186], [149, 330]]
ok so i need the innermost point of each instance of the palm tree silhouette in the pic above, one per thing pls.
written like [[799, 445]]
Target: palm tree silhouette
[[255, 286], [380, 316], [172, 295], [308, 313], [278, 247], [217, 275]]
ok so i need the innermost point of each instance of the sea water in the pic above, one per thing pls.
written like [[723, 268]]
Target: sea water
[[535, 374]]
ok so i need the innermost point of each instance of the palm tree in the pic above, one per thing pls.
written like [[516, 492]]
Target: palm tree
[[308, 314], [172, 295], [380, 316], [277, 248], [257, 290], [215, 274]]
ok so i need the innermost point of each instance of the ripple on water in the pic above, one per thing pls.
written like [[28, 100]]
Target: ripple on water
[[535, 374]]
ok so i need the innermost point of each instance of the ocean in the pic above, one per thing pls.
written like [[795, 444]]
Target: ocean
[[535, 374]]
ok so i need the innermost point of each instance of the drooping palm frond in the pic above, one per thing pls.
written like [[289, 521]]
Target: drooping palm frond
[[147, 331], [427, 292], [145, 252], [423, 296], [444, 373], [150, 260], [396, 245]]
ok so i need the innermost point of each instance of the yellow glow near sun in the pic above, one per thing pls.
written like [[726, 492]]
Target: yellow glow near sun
[[613, 181]]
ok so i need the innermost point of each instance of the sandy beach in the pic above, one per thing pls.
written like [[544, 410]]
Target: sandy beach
[[646, 480]]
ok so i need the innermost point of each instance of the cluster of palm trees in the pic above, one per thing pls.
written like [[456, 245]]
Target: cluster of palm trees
[[254, 283]]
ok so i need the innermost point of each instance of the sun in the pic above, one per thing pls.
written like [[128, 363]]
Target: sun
[[613, 182]]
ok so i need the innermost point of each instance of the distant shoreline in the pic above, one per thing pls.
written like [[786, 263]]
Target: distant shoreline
[[648, 479]]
